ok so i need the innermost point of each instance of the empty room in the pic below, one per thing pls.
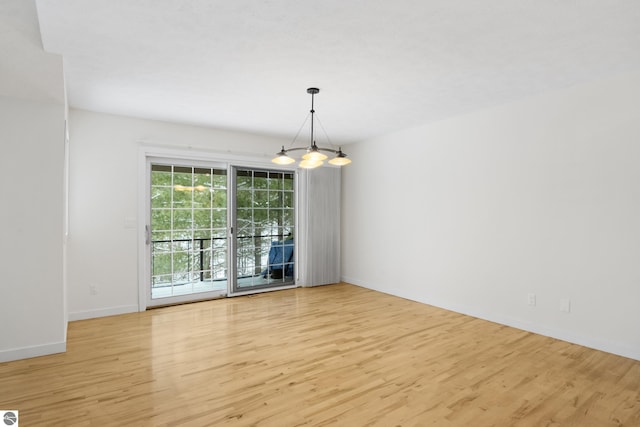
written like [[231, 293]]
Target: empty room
[[350, 213]]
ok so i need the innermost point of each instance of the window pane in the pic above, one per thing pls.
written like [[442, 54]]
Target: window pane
[[182, 219], [182, 197], [244, 214], [260, 198], [163, 246], [219, 218], [275, 199], [287, 200], [182, 176], [244, 180], [161, 219], [202, 218], [160, 236], [287, 184], [202, 198], [160, 197], [162, 264], [275, 181], [160, 281], [181, 234], [260, 180], [219, 179], [181, 262], [202, 234], [220, 199], [219, 243], [244, 198], [261, 218], [181, 245], [288, 217], [161, 175], [201, 176]]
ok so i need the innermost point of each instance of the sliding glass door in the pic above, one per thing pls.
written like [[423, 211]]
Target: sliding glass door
[[264, 220], [218, 230], [188, 233]]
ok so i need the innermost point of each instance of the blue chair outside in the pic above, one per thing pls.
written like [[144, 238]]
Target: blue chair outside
[[280, 259]]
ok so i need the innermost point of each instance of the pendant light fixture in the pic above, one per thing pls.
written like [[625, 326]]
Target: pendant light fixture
[[313, 156]]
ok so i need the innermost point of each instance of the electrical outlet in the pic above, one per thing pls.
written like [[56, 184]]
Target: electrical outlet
[[93, 289], [531, 299], [565, 305]]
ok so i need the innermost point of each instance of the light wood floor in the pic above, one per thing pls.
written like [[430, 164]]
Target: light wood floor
[[333, 355]]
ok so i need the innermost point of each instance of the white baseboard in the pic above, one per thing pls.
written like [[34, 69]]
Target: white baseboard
[[563, 335], [34, 351], [559, 334], [595, 343], [103, 312]]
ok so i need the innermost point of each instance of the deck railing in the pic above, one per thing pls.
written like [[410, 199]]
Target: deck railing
[[200, 246]]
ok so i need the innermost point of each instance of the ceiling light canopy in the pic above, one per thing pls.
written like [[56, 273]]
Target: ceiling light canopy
[[314, 155]]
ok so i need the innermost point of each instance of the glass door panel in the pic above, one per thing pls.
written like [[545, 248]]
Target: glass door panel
[[265, 226], [188, 232]]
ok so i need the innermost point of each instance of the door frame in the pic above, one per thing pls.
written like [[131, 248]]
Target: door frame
[[150, 302], [233, 289], [191, 157]]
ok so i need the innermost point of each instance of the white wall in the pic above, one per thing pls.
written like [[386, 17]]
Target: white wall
[[32, 117], [540, 196], [103, 200], [32, 316]]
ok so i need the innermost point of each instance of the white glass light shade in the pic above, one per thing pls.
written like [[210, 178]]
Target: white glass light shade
[[310, 164], [340, 161], [283, 159], [314, 155]]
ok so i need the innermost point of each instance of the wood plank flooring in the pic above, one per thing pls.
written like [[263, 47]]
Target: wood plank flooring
[[333, 355]]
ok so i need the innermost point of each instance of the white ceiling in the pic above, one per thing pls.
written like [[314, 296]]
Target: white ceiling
[[381, 65]]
